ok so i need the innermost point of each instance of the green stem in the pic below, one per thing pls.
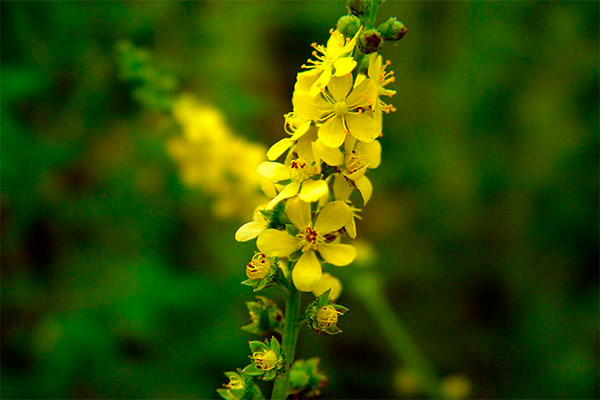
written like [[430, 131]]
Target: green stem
[[289, 339], [370, 290]]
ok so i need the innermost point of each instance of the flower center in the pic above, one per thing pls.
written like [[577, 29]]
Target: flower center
[[266, 360], [309, 239], [259, 267], [327, 316], [300, 170], [353, 161], [340, 108]]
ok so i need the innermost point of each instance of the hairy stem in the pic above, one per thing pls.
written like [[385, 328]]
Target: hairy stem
[[370, 290], [289, 339]]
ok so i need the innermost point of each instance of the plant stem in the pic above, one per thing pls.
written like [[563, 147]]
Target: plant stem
[[370, 290], [289, 339]]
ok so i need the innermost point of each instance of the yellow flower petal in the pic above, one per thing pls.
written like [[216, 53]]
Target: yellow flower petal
[[337, 253], [344, 66], [351, 228], [332, 133], [276, 243], [333, 217], [273, 171], [357, 97], [307, 272], [327, 282], [298, 212], [302, 129], [341, 188], [365, 188], [332, 156], [363, 126], [289, 191], [304, 81], [308, 107], [312, 191], [250, 230], [340, 87], [374, 66], [279, 148], [321, 82], [356, 175], [370, 153]]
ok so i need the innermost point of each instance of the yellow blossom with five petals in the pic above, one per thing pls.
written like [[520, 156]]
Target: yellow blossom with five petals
[[311, 239], [341, 110]]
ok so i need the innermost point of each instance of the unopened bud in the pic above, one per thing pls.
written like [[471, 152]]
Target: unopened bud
[[370, 41], [259, 267], [392, 29], [348, 25], [357, 7]]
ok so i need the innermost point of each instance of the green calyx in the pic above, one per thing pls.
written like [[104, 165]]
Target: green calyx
[[305, 378], [348, 25], [322, 315], [370, 41], [392, 29], [265, 315], [267, 359]]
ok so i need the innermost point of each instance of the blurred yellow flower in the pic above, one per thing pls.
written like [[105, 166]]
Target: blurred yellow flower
[[211, 157]]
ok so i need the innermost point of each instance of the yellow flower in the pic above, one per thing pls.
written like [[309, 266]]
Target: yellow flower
[[259, 267], [326, 283], [252, 229], [300, 171], [341, 110], [294, 126], [358, 158], [333, 60], [378, 73], [311, 238]]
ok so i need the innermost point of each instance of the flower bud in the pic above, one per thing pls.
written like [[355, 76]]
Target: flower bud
[[348, 25], [392, 29], [370, 41], [357, 7], [327, 316], [259, 267]]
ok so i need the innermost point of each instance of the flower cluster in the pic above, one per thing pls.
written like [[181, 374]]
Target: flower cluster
[[211, 157], [332, 144], [317, 175]]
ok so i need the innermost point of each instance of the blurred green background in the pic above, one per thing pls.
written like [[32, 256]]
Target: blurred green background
[[118, 281]]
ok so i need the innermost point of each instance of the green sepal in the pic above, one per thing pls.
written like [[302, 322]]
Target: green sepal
[[266, 316], [277, 216], [253, 370], [291, 229], [256, 346], [295, 256]]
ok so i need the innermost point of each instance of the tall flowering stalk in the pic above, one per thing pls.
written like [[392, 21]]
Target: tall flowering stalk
[[333, 129]]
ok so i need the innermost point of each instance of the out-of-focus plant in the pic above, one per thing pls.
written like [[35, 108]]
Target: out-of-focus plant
[[210, 156]]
